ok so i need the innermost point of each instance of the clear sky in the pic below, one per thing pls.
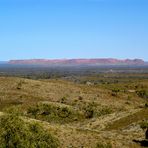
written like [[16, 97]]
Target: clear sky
[[73, 29]]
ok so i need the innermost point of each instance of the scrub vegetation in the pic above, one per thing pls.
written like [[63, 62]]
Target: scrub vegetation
[[97, 110]]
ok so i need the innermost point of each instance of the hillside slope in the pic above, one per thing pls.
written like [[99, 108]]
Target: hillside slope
[[115, 115]]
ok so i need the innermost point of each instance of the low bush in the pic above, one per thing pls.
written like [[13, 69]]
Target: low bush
[[94, 110], [142, 93], [15, 133], [16, 110], [104, 111], [101, 145], [144, 125], [54, 113]]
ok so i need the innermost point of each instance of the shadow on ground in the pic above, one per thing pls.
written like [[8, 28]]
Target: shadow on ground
[[143, 143]]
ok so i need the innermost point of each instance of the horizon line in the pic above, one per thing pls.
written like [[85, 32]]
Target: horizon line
[[73, 59]]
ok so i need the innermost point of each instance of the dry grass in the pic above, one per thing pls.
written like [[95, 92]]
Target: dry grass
[[119, 128]]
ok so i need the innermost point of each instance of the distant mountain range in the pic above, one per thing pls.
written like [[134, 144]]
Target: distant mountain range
[[98, 61]]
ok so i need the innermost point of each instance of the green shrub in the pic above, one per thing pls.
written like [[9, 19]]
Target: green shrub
[[16, 110], [94, 110], [15, 133], [115, 92], [142, 93], [89, 110], [144, 125], [101, 145], [63, 100], [54, 113], [104, 111], [33, 110]]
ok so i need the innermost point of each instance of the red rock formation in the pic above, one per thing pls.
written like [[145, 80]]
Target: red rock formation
[[104, 61]]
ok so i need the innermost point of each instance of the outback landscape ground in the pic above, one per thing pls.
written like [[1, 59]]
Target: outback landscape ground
[[95, 110]]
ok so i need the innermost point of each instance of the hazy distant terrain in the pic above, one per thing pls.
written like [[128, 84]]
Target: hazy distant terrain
[[38, 71], [99, 61]]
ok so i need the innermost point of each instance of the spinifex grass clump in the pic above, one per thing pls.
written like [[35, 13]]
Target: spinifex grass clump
[[54, 113], [15, 133]]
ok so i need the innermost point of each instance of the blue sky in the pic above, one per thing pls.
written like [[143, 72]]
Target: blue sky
[[73, 29]]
